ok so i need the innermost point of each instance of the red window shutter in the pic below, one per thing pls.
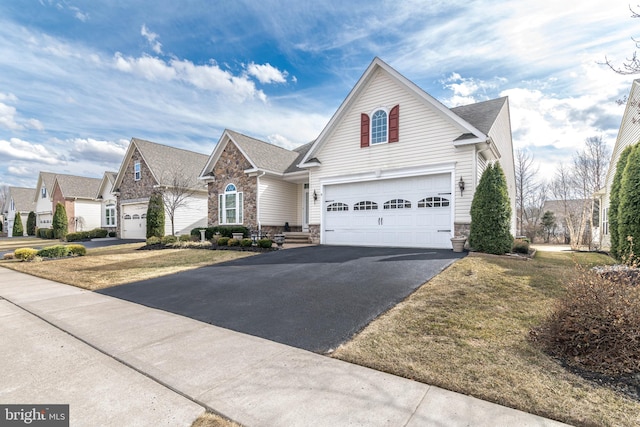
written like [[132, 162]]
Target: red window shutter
[[364, 130], [394, 124]]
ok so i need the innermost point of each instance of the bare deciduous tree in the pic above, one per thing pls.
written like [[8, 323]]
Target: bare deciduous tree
[[631, 65], [530, 194], [4, 198], [176, 192], [574, 187]]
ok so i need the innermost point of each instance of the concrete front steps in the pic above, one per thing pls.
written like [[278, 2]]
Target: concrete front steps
[[297, 237]]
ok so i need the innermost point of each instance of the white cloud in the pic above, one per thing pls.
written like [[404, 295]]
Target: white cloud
[[151, 37], [17, 149], [103, 152], [149, 67], [21, 171], [7, 117], [281, 141], [266, 73], [34, 124]]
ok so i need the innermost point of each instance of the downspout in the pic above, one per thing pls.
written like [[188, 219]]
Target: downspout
[[258, 201]]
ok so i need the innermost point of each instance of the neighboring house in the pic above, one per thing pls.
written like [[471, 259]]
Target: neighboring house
[[628, 134], [43, 199], [387, 170], [78, 195], [19, 200], [148, 167], [108, 200]]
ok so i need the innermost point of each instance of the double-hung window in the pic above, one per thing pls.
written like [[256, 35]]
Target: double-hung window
[[137, 171], [110, 216], [230, 206]]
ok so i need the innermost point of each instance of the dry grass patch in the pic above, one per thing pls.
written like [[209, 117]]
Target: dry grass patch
[[209, 419], [115, 265], [467, 331], [12, 243]]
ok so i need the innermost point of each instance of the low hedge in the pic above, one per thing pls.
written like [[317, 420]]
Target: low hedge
[[78, 236], [98, 233], [223, 241], [77, 250], [45, 233], [57, 251], [224, 231], [520, 246], [167, 240], [265, 243]]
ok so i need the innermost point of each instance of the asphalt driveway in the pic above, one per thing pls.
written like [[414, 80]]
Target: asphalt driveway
[[312, 298]]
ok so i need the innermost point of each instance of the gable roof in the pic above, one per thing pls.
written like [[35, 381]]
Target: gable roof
[[46, 178], [471, 133], [79, 187], [107, 178], [160, 158], [23, 198], [260, 154]]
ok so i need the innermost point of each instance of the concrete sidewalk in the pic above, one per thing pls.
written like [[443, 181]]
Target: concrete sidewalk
[[247, 379]]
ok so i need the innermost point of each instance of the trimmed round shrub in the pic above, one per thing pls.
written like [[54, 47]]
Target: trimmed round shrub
[[167, 240], [223, 241], [185, 238], [112, 234], [45, 233], [153, 240], [76, 237], [265, 243], [8, 255], [56, 251], [245, 243], [25, 254], [77, 250], [233, 242], [98, 233]]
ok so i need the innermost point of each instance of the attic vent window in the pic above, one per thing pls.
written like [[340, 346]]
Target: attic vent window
[[380, 127], [136, 171]]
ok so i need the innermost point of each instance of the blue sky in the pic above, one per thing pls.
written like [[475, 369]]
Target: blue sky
[[79, 79]]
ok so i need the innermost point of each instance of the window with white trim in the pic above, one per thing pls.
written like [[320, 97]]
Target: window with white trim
[[397, 204], [365, 205], [605, 221], [379, 127], [110, 215], [230, 205], [44, 192], [337, 207], [137, 171], [433, 202]]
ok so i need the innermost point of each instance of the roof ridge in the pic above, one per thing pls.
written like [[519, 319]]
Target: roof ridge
[[165, 145]]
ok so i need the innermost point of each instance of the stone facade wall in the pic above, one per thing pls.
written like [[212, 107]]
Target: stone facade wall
[[230, 170], [461, 229], [314, 231], [130, 189]]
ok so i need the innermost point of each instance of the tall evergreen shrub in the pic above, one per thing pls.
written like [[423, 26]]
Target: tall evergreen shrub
[[155, 216], [18, 231], [614, 201], [491, 213], [31, 224], [60, 222], [629, 208]]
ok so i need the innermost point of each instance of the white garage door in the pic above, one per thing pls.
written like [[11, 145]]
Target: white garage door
[[134, 221], [404, 212]]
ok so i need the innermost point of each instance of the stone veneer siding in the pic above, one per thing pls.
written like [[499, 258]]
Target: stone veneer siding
[[314, 232], [229, 169], [130, 189]]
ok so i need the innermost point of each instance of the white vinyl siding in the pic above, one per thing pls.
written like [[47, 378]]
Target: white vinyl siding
[[90, 212], [279, 202], [190, 216], [43, 210], [425, 139]]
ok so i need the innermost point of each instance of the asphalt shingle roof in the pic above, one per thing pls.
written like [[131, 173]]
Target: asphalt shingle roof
[[264, 155], [22, 198], [481, 115], [78, 186], [163, 160]]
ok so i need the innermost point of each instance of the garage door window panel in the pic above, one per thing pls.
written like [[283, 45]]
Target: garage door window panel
[[397, 204], [433, 202], [337, 207], [365, 205]]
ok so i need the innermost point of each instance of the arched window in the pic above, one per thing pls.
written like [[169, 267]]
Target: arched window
[[379, 128], [230, 205]]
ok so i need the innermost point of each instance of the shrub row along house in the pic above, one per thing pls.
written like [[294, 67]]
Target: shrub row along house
[[393, 167]]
